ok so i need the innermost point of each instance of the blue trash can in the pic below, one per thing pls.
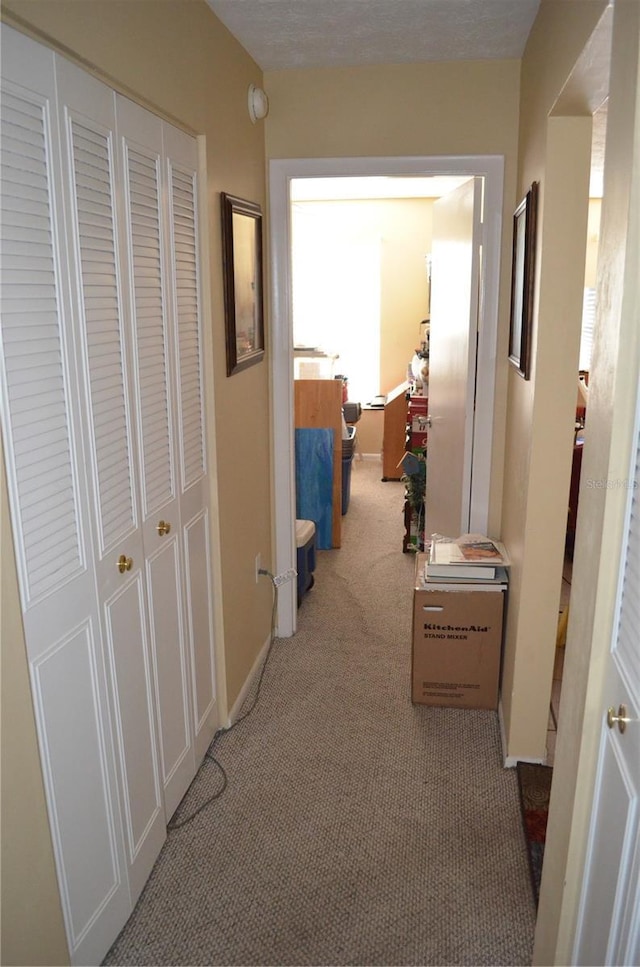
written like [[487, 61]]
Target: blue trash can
[[305, 555]]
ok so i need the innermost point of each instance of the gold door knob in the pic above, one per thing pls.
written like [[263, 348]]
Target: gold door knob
[[163, 527], [124, 563], [621, 718]]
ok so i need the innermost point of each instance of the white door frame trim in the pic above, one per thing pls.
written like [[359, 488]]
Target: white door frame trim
[[281, 172]]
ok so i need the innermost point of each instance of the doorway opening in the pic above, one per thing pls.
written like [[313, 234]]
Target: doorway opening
[[282, 173], [360, 276]]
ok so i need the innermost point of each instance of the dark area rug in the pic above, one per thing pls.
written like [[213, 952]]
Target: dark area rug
[[534, 783]]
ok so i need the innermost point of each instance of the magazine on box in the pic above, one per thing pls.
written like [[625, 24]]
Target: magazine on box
[[471, 556]]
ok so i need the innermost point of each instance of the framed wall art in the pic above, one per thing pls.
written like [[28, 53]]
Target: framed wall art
[[242, 271], [522, 281]]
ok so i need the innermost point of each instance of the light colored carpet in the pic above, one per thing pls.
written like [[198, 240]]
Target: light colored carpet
[[356, 828]]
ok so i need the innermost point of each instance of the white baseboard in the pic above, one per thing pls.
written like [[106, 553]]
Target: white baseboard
[[249, 681], [511, 761], [368, 456]]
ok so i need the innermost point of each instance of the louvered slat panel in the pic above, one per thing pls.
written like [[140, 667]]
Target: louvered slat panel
[[37, 440], [184, 228], [38, 436], [627, 644], [149, 319], [49, 545], [101, 308]]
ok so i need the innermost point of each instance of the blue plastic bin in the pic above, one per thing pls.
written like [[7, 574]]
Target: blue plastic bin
[[305, 555]]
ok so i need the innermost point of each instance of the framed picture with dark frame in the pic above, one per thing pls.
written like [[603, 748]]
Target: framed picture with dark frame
[[522, 281], [242, 271]]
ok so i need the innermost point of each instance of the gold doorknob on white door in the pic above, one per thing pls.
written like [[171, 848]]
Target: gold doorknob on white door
[[621, 718], [163, 527], [124, 563]]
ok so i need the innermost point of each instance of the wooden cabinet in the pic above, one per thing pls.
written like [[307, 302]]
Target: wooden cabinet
[[318, 404]]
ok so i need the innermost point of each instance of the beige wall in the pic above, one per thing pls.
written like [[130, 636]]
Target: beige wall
[[369, 433], [593, 236], [406, 239], [394, 110], [540, 422], [555, 151], [460, 108], [177, 59]]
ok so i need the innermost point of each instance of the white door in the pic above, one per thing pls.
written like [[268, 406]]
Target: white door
[[88, 157], [51, 514], [147, 311], [608, 930], [452, 357]]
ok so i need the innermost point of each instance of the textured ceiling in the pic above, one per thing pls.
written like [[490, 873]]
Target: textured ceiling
[[286, 34]]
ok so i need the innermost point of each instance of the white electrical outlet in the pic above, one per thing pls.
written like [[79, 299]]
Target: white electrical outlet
[[288, 575], [258, 566]]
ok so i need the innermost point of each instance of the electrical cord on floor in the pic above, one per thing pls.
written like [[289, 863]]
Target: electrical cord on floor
[[179, 823]]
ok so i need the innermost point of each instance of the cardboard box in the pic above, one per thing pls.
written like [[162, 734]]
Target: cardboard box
[[457, 644]]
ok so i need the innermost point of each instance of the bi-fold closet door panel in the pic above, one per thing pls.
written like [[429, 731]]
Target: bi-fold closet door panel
[[182, 244], [104, 442], [151, 313]]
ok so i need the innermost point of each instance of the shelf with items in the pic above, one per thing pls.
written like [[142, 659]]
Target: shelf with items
[[417, 424], [418, 369], [414, 463]]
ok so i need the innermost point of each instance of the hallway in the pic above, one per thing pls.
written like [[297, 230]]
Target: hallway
[[356, 828]]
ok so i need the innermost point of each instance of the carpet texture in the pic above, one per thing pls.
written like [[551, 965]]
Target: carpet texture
[[356, 828], [534, 782]]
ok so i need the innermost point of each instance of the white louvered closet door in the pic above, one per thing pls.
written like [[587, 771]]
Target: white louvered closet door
[[42, 414], [186, 322], [89, 160], [140, 154]]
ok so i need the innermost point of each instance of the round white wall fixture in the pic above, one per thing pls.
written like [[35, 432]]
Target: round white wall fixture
[[258, 103]]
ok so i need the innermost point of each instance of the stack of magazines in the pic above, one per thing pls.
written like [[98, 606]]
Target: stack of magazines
[[471, 557]]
